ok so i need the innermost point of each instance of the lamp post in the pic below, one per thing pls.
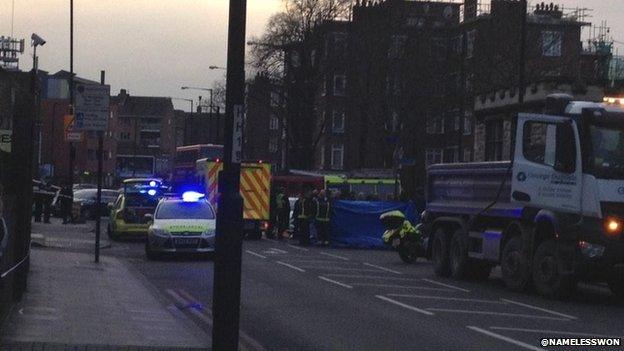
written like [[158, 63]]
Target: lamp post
[[217, 68]]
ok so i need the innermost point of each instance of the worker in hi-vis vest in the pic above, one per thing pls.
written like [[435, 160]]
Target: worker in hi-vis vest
[[323, 212]]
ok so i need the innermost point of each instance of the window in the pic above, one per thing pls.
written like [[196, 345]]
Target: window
[[438, 49], [471, 38], [338, 121], [294, 59], [340, 84], [340, 44], [456, 119], [435, 124], [456, 44], [544, 142], [275, 99], [494, 140], [467, 125], [91, 155], [337, 156], [273, 123], [397, 46], [433, 156], [551, 43], [467, 154], [451, 154], [273, 145], [124, 136]]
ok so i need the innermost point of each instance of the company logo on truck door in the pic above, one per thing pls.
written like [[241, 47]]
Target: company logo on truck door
[[556, 179]]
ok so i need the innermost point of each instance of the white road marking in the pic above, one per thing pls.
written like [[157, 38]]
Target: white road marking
[[297, 247], [505, 314], [409, 307], [319, 261], [290, 266], [400, 286], [278, 250], [255, 254], [340, 269], [336, 282], [539, 309], [382, 268], [504, 338], [556, 332], [334, 256], [446, 298], [37, 236], [372, 277], [446, 285]]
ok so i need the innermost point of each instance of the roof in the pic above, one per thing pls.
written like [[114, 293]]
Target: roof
[[140, 180], [143, 105], [62, 74]]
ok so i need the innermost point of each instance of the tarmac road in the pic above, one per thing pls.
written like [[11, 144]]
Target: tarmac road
[[313, 298]]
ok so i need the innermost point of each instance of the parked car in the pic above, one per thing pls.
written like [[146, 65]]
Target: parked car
[[86, 199]]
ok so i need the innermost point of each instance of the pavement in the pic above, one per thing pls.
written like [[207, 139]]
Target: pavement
[[74, 303], [293, 298]]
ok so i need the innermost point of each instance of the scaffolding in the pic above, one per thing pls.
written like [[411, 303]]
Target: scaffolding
[[10, 49]]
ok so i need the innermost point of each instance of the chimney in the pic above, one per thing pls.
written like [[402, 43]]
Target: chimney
[[470, 9]]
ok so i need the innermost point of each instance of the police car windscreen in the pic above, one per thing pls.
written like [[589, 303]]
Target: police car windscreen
[[141, 201], [185, 210]]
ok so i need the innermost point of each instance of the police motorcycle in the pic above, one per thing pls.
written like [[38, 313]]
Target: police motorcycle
[[403, 236]]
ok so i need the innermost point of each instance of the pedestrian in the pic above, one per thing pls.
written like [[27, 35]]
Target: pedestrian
[[66, 203], [323, 212], [295, 216], [283, 213], [306, 205]]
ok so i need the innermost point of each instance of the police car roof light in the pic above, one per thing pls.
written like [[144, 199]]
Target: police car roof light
[[192, 196], [151, 192]]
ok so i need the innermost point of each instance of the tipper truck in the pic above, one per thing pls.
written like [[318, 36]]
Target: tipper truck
[[551, 217]]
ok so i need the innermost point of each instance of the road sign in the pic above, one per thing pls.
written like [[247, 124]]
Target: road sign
[[5, 140], [92, 107], [71, 135], [237, 135]]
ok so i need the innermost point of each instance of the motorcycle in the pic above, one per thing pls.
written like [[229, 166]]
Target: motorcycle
[[403, 236]]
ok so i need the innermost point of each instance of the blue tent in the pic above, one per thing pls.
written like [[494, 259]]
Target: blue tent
[[356, 223]]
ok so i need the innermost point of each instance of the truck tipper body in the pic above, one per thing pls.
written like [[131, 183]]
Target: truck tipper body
[[551, 217]]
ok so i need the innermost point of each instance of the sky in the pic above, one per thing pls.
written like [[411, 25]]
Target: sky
[[153, 47]]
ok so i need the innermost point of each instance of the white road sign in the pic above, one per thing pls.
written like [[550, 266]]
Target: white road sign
[[237, 135], [92, 107]]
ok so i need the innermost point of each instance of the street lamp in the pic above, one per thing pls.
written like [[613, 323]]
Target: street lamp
[[217, 68]]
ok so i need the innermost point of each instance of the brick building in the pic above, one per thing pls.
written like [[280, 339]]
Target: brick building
[[264, 133], [200, 128], [145, 131]]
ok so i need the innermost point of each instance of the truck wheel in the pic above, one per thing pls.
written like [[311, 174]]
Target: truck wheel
[[440, 253], [548, 276], [514, 265], [458, 256]]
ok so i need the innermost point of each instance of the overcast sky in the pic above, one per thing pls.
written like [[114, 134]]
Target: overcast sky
[[153, 47]]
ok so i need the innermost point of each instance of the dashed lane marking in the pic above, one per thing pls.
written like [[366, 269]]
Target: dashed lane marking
[[255, 254], [278, 250], [334, 256], [504, 338], [372, 277], [556, 332], [336, 282], [396, 286], [340, 269], [446, 285], [404, 305], [382, 268], [446, 298], [539, 309], [503, 314], [291, 266], [297, 247]]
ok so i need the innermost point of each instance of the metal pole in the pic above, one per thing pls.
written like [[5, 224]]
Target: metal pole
[[229, 240], [98, 200], [523, 42]]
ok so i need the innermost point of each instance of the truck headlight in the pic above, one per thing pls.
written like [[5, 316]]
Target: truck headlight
[[591, 250], [613, 226]]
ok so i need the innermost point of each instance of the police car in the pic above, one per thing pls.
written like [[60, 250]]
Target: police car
[[183, 224]]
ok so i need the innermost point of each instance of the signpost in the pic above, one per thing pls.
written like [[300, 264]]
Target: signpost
[[92, 106]]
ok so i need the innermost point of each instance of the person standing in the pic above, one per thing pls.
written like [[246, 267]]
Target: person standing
[[323, 212], [283, 214], [306, 207], [66, 203]]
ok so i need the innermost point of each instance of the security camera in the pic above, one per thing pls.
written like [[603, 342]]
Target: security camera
[[37, 40]]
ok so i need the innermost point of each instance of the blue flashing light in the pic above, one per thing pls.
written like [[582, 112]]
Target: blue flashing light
[[151, 192], [192, 196], [152, 184], [143, 191]]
